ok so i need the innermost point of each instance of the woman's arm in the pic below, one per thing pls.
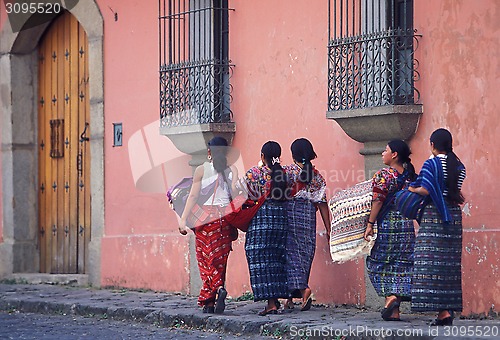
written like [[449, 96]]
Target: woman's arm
[[376, 206], [234, 182], [419, 190], [325, 216], [191, 200]]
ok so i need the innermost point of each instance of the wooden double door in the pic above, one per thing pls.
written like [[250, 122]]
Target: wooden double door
[[64, 150]]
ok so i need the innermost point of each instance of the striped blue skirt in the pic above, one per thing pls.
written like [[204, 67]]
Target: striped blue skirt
[[390, 263], [265, 248], [301, 244], [437, 273]]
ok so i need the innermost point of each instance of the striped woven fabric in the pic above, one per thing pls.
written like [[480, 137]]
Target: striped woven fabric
[[301, 242], [265, 248], [213, 244], [350, 209], [437, 272], [410, 204]]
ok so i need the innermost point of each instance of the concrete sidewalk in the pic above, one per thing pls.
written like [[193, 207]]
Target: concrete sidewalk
[[173, 310]]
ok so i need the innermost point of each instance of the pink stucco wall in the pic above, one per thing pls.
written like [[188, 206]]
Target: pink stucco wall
[[140, 247], [459, 86], [280, 93], [1, 196]]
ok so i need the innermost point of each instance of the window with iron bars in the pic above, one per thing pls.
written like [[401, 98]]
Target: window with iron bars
[[371, 54], [194, 62]]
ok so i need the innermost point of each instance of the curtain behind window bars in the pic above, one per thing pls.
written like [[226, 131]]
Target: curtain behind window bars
[[194, 62], [371, 54]]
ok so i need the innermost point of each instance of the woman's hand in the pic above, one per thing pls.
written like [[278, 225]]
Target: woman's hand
[[368, 232], [325, 216], [183, 229], [419, 190], [192, 198]]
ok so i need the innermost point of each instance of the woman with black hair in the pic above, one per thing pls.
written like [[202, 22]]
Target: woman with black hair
[[265, 242], [390, 262], [213, 239], [308, 194], [437, 272]]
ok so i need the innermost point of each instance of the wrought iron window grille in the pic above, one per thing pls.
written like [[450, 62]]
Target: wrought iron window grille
[[195, 68], [371, 54]]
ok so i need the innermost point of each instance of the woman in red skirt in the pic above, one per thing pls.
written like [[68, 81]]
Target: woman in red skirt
[[213, 239]]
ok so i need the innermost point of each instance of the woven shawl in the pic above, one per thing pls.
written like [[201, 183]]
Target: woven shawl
[[350, 209], [431, 178]]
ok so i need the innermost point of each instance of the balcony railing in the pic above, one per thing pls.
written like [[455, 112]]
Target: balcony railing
[[195, 92], [195, 69], [373, 69]]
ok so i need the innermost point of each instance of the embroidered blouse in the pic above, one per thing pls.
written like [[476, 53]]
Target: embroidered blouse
[[385, 181], [256, 179], [314, 191]]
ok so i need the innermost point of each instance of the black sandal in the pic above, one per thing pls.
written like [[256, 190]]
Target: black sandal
[[208, 309], [387, 311], [266, 312], [277, 303], [307, 305], [289, 305], [220, 303], [448, 321]]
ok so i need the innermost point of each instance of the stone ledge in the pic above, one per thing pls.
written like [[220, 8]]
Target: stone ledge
[[381, 123], [193, 139], [197, 128]]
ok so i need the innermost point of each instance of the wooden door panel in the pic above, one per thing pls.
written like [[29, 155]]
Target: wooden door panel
[[67, 120], [59, 163], [73, 146], [64, 159], [84, 166], [52, 162]]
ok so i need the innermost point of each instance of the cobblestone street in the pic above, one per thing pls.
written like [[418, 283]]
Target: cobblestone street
[[15, 325]]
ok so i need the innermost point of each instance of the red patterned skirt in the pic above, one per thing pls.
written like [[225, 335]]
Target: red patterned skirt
[[213, 244]]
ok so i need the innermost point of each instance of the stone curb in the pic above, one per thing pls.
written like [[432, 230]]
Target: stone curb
[[240, 318], [216, 323], [213, 323]]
